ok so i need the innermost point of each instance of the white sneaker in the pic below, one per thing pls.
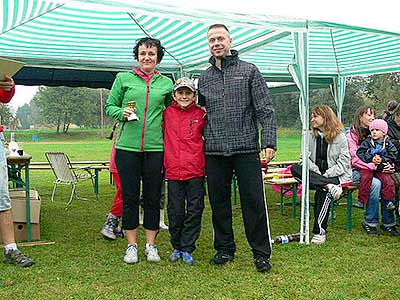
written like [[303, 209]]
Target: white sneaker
[[151, 252], [318, 239], [162, 224], [131, 254], [335, 190]]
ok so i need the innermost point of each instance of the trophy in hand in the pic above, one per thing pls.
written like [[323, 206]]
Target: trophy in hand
[[133, 116]]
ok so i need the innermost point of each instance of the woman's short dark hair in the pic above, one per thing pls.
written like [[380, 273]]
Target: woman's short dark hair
[[149, 42]]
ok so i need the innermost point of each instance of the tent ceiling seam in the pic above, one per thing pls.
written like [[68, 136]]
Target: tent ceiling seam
[[29, 20], [149, 35], [334, 53]]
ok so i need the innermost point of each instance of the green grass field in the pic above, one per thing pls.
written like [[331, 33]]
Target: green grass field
[[83, 265]]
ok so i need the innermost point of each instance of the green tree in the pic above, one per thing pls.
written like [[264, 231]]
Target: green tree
[[63, 106], [23, 114], [6, 114]]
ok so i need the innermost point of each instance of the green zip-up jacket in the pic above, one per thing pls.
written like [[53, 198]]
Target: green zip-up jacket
[[152, 95]]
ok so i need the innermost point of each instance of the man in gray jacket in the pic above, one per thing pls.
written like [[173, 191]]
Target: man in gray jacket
[[238, 102]]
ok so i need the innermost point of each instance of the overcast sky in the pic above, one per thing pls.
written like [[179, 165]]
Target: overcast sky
[[382, 14]]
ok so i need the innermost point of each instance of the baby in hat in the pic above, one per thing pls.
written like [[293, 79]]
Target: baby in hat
[[378, 151]]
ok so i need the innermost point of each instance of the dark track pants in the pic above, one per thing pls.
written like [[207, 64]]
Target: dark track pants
[[185, 209], [322, 200], [247, 168], [133, 168]]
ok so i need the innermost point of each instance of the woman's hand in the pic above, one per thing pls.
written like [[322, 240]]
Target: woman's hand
[[127, 112], [388, 168]]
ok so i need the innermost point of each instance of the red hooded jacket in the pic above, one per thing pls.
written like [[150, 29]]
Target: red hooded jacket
[[183, 142]]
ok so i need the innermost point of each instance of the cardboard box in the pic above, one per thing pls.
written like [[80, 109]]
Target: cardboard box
[[18, 204], [20, 232]]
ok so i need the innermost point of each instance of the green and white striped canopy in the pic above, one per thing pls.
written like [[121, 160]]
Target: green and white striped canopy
[[99, 35]]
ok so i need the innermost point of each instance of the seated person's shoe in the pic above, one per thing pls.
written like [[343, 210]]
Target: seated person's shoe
[[318, 239], [17, 258], [358, 204], [391, 230], [175, 255], [262, 264], [371, 230], [187, 258], [390, 206], [221, 258]]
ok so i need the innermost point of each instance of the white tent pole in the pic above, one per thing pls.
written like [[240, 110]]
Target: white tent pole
[[299, 72], [338, 90]]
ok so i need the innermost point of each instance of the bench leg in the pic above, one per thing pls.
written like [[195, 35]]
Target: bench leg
[[333, 212], [294, 200], [349, 211], [281, 200]]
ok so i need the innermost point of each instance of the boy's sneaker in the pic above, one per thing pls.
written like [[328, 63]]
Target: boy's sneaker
[[262, 264], [318, 239], [335, 190], [175, 255], [221, 258], [391, 230], [110, 227], [131, 254], [151, 252], [187, 258], [17, 258]]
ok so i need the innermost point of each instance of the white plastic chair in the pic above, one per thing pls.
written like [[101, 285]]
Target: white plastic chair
[[67, 174]]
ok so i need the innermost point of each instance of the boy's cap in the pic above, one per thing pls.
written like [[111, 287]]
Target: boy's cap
[[185, 82], [379, 124]]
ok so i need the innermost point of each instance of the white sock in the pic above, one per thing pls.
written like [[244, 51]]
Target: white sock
[[9, 247]]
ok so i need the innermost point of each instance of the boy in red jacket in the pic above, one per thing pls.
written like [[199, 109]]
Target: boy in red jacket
[[184, 163]]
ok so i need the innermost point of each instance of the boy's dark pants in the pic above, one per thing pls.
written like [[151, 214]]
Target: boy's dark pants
[[185, 209]]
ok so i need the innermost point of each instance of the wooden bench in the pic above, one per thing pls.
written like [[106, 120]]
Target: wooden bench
[[288, 183]]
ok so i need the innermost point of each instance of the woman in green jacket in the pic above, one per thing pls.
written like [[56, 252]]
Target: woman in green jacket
[[137, 100]]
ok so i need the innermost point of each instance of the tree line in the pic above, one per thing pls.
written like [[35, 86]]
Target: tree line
[[62, 107]]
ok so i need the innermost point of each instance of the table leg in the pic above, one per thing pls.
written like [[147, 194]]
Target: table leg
[[96, 183], [28, 204]]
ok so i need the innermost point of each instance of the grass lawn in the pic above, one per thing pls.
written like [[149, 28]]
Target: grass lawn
[[83, 265]]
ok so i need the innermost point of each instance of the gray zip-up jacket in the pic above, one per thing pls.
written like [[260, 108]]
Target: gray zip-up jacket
[[338, 157], [238, 102]]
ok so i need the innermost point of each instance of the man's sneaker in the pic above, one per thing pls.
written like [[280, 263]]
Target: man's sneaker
[[187, 258], [151, 252], [221, 258], [262, 264], [371, 230], [391, 230], [390, 206], [110, 227], [175, 255], [17, 258], [318, 239], [131, 254], [335, 190]]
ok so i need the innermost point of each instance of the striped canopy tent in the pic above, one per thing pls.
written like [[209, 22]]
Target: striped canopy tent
[[84, 43]]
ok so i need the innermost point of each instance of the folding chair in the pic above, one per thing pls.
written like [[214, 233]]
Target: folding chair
[[67, 174]]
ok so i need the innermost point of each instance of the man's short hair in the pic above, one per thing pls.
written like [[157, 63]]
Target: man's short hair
[[217, 26]]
